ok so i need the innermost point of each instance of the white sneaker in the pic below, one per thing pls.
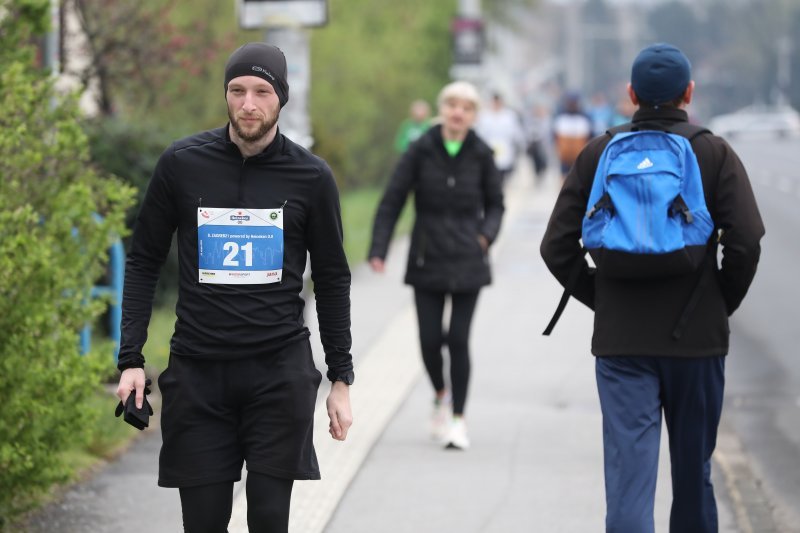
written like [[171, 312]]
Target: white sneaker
[[440, 418], [456, 438]]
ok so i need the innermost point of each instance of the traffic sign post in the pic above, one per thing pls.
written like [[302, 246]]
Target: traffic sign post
[[468, 46], [284, 22], [262, 14]]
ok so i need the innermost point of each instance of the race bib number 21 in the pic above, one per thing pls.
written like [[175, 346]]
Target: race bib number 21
[[240, 246]]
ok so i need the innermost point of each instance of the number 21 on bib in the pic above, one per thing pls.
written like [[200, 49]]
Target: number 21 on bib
[[239, 246]]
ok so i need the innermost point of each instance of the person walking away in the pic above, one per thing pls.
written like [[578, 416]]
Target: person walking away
[[501, 128], [537, 129], [600, 112], [459, 206], [623, 111], [414, 126], [660, 338], [248, 205], [572, 129]]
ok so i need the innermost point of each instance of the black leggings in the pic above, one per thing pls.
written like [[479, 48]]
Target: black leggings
[[207, 508], [430, 310]]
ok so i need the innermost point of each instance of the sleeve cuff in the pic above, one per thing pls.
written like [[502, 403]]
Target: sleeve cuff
[[130, 361], [346, 377]]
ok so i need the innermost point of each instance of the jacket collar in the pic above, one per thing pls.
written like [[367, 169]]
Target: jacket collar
[[273, 148], [668, 114], [437, 139]]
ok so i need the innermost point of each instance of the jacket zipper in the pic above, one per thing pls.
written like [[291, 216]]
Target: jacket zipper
[[423, 241]]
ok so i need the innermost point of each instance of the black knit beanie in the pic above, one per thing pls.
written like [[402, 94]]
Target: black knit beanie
[[262, 60]]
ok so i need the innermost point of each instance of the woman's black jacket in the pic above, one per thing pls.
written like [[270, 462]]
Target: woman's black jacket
[[456, 200]]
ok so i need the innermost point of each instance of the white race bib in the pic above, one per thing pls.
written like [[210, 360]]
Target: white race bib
[[240, 246]]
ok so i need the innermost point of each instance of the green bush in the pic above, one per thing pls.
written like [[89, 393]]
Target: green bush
[[126, 149], [52, 250], [130, 151]]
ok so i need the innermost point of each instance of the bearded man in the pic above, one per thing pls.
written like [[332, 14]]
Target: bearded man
[[249, 205]]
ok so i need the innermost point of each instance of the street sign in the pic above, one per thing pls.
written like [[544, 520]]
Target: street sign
[[468, 42], [262, 14]]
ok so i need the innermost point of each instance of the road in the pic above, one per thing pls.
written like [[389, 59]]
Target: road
[[763, 372]]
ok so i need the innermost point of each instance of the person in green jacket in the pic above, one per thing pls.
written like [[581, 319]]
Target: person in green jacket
[[414, 126]]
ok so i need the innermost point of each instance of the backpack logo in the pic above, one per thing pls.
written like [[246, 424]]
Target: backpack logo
[[646, 215]]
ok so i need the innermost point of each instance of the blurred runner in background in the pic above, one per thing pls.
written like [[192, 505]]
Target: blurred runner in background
[[414, 126], [572, 129], [501, 128]]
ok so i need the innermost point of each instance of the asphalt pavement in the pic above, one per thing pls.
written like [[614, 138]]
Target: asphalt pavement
[[535, 464]]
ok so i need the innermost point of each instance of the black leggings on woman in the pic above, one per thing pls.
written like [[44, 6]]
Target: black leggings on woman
[[430, 309], [207, 508]]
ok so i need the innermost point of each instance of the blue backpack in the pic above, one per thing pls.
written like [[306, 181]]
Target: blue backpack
[[646, 216]]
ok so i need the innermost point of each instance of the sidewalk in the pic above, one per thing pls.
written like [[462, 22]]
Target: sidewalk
[[535, 464]]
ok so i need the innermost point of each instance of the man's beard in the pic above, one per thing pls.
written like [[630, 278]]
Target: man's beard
[[266, 125]]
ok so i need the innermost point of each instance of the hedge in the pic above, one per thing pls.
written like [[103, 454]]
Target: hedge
[[53, 249]]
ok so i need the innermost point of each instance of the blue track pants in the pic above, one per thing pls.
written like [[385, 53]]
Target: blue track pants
[[633, 393]]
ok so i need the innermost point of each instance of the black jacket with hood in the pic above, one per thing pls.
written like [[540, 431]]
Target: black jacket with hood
[[220, 321], [637, 317], [456, 199]]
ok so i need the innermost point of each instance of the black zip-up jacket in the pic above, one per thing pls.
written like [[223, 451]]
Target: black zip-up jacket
[[456, 199], [220, 321], [638, 317]]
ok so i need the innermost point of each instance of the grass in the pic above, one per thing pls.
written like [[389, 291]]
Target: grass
[[109, 434], [358, 211], [162, 324]]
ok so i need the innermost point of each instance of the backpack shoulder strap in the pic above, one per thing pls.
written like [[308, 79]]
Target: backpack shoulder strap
[[577, 267], [622, 128], [697, 291], [684, 129], [688, 130], [569, 288]]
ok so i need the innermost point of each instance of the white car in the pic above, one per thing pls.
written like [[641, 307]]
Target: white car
[[758, 121]]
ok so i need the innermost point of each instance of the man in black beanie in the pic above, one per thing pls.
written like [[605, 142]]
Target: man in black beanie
[[249, 205], [261, 60], [255, 60], [660, 341]]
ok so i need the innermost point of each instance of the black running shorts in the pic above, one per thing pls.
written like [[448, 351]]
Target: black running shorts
[[218, 414]]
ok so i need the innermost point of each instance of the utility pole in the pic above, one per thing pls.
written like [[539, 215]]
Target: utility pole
[[52, 41], [631, 23], [470, 8], [573, 56], [468, 42], [784, 75], [285, 24], [295, 121]]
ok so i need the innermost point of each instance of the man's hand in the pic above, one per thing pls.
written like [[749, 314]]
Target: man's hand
[[339, 410], [132, 379], [377, 265]]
